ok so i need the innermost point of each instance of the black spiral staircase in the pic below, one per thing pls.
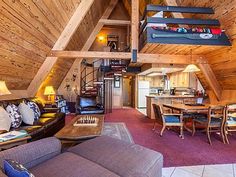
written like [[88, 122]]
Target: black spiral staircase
[[97, 78]]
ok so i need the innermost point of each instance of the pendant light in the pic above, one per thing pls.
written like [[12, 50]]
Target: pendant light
[[191, 67]]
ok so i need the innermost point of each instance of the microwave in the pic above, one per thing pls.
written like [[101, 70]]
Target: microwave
[[152, 90]]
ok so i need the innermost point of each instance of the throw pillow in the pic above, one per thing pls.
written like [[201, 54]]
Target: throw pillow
[[14, 113], [5, 120], [27, 114], [35, 108], [15, 169]]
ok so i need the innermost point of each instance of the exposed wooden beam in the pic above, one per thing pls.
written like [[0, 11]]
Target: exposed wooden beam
[[60, 44], [142, 57], [114, 22], [91, 54], [89, 41], [134, 28], [211, 79]]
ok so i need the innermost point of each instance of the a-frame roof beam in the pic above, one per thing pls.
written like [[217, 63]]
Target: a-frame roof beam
[[60, 44]]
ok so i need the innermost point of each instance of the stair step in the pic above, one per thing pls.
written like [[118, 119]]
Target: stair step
[[108, 78]]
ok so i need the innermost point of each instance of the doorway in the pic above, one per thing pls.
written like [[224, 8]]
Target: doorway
[[127, 91]]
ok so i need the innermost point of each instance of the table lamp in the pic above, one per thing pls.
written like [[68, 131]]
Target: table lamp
[[3, 88], [49, 91]]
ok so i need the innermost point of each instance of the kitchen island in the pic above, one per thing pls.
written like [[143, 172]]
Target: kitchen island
[[166, 99]]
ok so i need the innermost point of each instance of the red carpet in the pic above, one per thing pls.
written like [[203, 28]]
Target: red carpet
[[177, 152]]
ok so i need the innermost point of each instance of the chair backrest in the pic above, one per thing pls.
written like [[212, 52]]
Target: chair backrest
[[231, 108], [216, 112], [230, 111], [158, 113]]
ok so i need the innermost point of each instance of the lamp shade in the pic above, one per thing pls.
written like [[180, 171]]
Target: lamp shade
[[49, 90], [191, 68], [3, 88]]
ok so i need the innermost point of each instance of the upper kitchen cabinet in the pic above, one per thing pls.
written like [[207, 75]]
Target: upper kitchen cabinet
[[181, 79]]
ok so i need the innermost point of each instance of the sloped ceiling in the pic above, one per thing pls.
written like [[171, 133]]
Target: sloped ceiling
[[28, 31]]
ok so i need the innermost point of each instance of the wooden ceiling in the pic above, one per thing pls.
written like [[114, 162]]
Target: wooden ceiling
[[29, 30]]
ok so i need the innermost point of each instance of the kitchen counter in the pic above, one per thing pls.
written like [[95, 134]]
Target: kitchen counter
[[166, 99], [171, 96]]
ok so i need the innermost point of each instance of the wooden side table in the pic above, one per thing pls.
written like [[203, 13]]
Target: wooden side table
[[12, 143]]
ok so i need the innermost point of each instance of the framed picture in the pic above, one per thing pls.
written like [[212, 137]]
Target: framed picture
[[117, 82]]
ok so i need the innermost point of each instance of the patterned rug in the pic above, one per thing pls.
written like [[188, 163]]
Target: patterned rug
[[117, 130]]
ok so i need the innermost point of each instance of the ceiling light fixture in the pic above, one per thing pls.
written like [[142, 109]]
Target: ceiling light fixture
[[155, 74], [191, 67]]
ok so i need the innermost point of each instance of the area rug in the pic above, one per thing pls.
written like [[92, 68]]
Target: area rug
[[117, 130]]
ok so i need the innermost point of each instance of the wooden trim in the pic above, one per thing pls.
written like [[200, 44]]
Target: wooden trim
[[115, 22], [60, 44], [211, 79]]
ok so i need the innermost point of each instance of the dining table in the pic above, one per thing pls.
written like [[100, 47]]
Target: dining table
[[188, 109]]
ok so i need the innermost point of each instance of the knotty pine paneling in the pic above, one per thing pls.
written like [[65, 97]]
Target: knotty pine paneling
[[28, 31]]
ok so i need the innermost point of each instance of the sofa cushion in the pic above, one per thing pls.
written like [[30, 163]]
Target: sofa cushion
[[5, 120], [13, 168], [58, 115], [33, 106], [123, 158], [14, 113], [46, 121], [70, 164], [27, 114], [33, 154]]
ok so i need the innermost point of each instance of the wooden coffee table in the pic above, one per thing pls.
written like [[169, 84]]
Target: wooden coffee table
[[77, 134], [15, 142]]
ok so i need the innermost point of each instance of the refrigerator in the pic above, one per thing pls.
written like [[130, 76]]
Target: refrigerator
[[143, 90]]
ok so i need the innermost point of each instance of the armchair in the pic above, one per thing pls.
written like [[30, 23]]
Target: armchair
[[88, 105], [167, 119]]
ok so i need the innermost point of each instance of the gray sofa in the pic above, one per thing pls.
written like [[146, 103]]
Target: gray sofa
[[99, 157]]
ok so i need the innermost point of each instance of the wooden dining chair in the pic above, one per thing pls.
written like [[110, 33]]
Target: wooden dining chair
[[230, 120], [213, 122], [167, 119]]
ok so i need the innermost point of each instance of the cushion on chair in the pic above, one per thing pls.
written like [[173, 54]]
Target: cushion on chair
[[204, 120], [231, 121], [172, 119]]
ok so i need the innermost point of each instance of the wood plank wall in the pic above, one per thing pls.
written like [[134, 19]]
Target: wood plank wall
[[28, 31]]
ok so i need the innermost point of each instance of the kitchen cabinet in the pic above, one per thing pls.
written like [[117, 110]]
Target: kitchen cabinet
[[155, 81], [181, 79]]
